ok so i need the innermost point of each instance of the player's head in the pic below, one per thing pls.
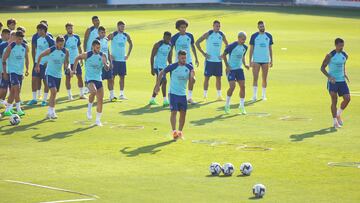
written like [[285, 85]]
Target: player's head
[[41, 29], [182, 57], [241, 37], [261, 26], [96, 46], [167, 36], [339, 44], [12, 36], [95, 21], [102, 32], [216, 25], [44, 22], [69, 28], [11, 23], [22, 29], [60, 41], [5, 34], [19, 37], [121, 26], [181, 25]]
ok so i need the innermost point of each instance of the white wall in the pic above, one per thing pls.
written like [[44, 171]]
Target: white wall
[[336, 3]]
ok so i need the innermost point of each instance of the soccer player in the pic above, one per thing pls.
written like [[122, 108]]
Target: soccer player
[[11, 24], [95, 61], [234, 70], [91, 33], [213, 63], [40, 43], [23, 30], [58, 56], [73, 44], [337, 77], [184, 41], [4, 84], [180, 73], [260, 57], [160, 55], [15, 56], [118, 50], [107, 74]]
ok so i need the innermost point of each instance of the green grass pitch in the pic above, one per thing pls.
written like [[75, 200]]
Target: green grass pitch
[[121, 163]]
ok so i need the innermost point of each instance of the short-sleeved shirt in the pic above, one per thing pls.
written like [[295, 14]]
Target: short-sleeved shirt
[[179, 76], [183, 42], [93, 34], [3, 46], [41, 44], [104, 46], [72, 42], [16, 60], [161, 57], [56, 60], [213, 45], [93, 66], [118, 45], [337, 65], [261, 43], [236, 53]]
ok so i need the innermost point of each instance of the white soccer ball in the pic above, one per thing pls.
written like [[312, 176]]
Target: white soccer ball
[[86, 90], [259, 190], [228, 169], [246, 168], [14, 119], [215, 169]]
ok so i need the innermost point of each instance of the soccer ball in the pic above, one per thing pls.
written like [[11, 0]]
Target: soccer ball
[[215, 169], [14, 119], [228, 169], [246, 168], [259, 190]]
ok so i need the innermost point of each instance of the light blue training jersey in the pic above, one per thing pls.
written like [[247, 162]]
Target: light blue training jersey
[[72, 42], [93, 34], [261, 43], [179, 76], [93, 66], [41, 44], [236, 53], [183, 42], [104, 46], [56, 60], [161, 57], [213, 45], [16, 60], [337, 65], [118, 46]]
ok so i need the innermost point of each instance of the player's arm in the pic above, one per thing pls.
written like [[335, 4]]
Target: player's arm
[[271, 56], [161, 75], [195, 55], [44, 53], [80, 57], [323, 68], [198, 44], [79, 52], [4, 58], [130, 46], [345, 74], [224, 57], [170, 56], [225, 40], [27, 61], [244, 63], [86, 38], [110, 36], [105, 62], [153, 53], [66, 63], [251, 54]]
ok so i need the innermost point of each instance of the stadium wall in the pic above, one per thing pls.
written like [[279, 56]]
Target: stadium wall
[[330, 3], [145, 2]]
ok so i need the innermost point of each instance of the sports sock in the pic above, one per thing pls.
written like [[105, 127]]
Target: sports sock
[[45, 96], [335, 121], [111, 94], [255, 91], [121, 92], [18, 106], [9, 107], [89, 106], [228, 100], [81, 91], [205, 93], [38, 93], [190, 94], [264, 92], [34, 95], [339, 111], [69, 92], [242, 102], [98, 116], [165, 98], [219, 93]]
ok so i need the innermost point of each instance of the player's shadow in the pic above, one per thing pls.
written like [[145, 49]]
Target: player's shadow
[[60, 135], [148, 149], [77, 107], [234, 106], [60, 100], [143, 110], [301, 137], [205, 121], [9, 129], [200, 104]]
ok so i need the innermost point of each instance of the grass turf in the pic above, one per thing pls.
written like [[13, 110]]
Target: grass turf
[[131, 165]]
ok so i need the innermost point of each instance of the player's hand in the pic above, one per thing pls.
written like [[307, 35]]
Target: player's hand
[[27, 73], [5, 76], [206, 55], [126, 58], [271, 64], [152, 72], [227, 70], [332, 80], [252, 64], [197, 63], [81, 63], [247, 67], [37, 68]]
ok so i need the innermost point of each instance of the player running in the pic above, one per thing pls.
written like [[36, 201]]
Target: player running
[[91, 33], [15, 56], [160, 57], [4, 84], [107, 74], [213, 61], [234, 70], [40, 43], [337, 77], [95, 60], [57, 56], [118, 49], [260, 57], [184, 41], [180, 73], [73, 44]]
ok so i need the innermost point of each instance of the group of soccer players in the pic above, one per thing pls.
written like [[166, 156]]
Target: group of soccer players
[[52, 57]]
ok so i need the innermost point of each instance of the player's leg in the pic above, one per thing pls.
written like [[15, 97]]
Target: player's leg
[[110, 84], [122, 74], [92, 93], [181, 123], [206, 86], [4, 85], [218, 88], [242, 96], [35, 80], [51, 108], [10, 100], [190, 90], [68, 86], [334, 98], [231, 80], [264, 74], [99, 106], [345, 93], [173, 123], [255, 70], [163, 90], [17, 89], [153, 96]]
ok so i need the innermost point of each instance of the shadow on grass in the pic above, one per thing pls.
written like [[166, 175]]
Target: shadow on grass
[[149, 149], [234, 106], [21, 127], [301, 137], [60, 135], [205, 121], [255, 198]]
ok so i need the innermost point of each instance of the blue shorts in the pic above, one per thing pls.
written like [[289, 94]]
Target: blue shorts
[[4, 84], [177, 103], [236, 75], [106, 75], [15, 79], [119, 68], [262, 63], [53, 82], [341, 88], [41, 74], [98, 84], [213, 69], [78, 69], [157, 71]]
